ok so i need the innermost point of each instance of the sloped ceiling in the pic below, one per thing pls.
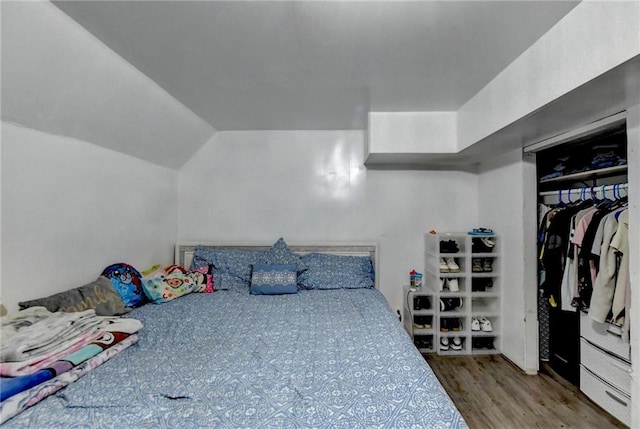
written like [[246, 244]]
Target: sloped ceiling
[[244, 65], [155, 79], [59, 79]]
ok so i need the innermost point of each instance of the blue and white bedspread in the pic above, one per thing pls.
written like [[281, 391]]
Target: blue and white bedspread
[[319, 358]]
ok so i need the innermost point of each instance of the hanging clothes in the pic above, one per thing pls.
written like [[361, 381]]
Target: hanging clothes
[[582, 258]]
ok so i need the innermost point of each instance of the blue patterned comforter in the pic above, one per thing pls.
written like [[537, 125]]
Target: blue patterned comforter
[[319, 358]]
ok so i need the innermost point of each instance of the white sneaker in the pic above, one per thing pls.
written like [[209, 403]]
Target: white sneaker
[[475, 324], [452, 284], [485, 324], [444, 267], [441, 285], [451, 265], [456, 344], [444, 343]]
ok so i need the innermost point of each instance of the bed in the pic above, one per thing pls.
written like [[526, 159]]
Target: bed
[[334, 358]]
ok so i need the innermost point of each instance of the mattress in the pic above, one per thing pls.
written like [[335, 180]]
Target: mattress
[[318, 358]]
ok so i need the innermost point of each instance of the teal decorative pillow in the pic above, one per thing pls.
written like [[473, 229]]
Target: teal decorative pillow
[[274, 279]]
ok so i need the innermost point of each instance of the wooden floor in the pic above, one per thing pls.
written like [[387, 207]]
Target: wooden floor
[[492, 393]]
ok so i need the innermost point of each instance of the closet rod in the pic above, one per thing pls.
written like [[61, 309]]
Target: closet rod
[[586, 189]]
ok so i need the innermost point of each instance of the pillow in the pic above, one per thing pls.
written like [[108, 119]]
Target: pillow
[[274, 279], [281, 254], [336, 272], [98, 295], [127, 282], [169, 286], [231, 267], [203, 278]]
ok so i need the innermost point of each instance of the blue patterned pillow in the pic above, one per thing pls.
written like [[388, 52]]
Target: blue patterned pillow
[[274, 279], [281, 254], [336, 272], [234, 262]]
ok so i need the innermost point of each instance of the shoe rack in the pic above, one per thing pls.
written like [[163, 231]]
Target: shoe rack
[[419, 317], [462, 296]]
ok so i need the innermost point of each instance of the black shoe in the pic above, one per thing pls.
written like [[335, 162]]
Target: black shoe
[[449, 246], [482, 343], [482, 244], [444, 325], [481, 284], [421, 303], [450, 304]]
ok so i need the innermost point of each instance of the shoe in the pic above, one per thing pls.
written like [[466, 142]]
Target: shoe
[[422, 342], [485, 324], [476, 265], [450, 304], [481, 284], [444, 267], [456, 325], [482, 343], [444, 325], [426, 321], [444, 343], [456, 344], [441, 285], [475, 324], [458, 303], [422, 322], [421, 303], [452, 284], [481, 231], [449, 246], [416, 303], [451, 264], [487, 265], [482, 245]]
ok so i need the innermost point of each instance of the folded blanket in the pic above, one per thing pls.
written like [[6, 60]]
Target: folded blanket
[[28, 398], [30, 366], [10, 386], [36, 338], [38, 332]]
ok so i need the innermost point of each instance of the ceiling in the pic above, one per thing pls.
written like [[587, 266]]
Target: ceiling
[[249, 65]]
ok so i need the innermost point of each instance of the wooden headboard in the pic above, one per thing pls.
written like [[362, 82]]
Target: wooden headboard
[[184, 251]]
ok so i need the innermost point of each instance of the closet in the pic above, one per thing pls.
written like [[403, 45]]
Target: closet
[[583, 284]]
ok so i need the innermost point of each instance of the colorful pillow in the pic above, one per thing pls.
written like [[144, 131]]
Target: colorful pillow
[[281, 254], [274, 279], [99, 295], [203, 278], [128, 283], [165, 287], [336, 272]]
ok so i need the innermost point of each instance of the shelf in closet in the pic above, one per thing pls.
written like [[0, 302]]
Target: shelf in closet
[[602, 172]]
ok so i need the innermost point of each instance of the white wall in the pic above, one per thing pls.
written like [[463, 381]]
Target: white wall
[[312, 186], [412, 132], [70, 208], [506, 203], [633, 155]]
